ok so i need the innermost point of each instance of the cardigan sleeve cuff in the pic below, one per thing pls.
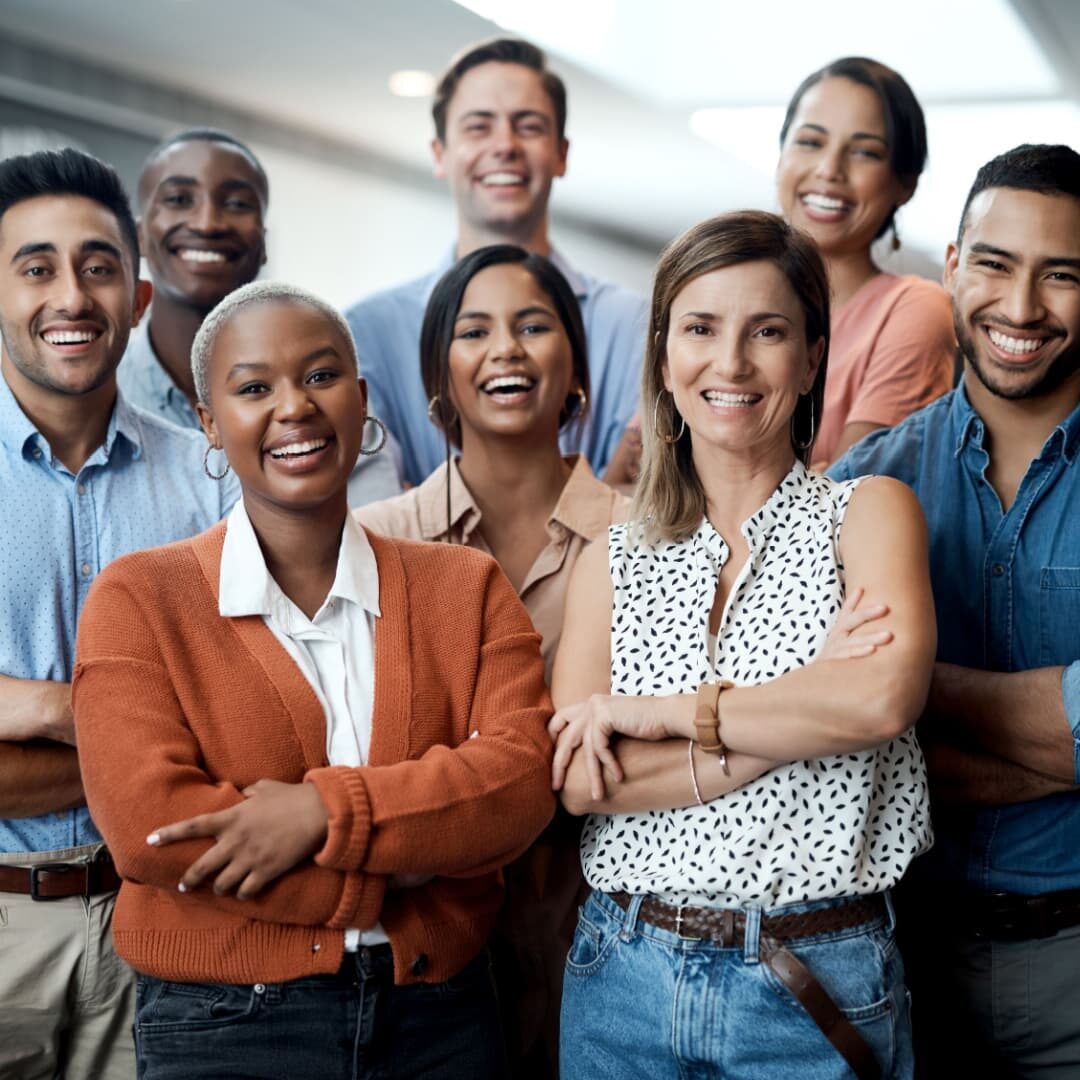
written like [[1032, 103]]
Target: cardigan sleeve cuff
[[349, 826], [361, 902]]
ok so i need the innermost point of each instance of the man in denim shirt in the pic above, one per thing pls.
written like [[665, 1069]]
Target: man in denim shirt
[[84, 478], [992, 938]]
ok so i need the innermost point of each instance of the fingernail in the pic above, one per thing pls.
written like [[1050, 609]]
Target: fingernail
[[154, 838], [181, 887]]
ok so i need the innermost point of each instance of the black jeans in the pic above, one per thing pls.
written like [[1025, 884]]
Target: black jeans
[[354, 1025]]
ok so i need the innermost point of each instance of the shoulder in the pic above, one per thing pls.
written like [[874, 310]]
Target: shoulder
[[424, 562], [386, 304], [161, 436], [919, 303], [899, 451], [397, 516], [612, 307]]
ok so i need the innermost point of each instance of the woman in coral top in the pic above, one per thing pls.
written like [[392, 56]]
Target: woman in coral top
[[346, 733], [852, 147]]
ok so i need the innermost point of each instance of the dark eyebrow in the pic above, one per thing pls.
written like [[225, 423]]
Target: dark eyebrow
[[1061, 260], [857, 135], [242, 367], [258, 365], [534, 309], [980, 248], [182, 181], [103, 247], [759, 315], [43, 248], [472, 315]]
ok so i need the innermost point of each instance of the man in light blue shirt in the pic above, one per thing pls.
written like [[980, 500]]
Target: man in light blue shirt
[[84, 478], [990, 917], [202, 199], [500, 142]]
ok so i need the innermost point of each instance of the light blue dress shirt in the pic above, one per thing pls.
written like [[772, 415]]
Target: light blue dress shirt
[[143, 487], [144, 382], [1007, 594], [386, 327]]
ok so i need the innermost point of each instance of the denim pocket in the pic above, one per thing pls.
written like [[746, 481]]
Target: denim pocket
[[177, 1006], [591, 945], [1059, 614]]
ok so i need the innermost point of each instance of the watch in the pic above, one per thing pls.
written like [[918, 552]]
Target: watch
[[707, 720]]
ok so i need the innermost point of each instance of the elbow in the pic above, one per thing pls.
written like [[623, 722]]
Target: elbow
[[896, 703]]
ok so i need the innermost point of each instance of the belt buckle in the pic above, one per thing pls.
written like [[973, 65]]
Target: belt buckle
[[53, 868]]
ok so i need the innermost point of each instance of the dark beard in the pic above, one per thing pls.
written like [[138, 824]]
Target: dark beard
[[1063, 366]]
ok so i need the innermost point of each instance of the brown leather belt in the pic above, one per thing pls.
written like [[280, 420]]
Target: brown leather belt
[[727, 929], [54, 881]]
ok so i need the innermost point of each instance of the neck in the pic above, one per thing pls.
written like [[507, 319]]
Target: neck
[[737, 485], [848, 273], [513, 477], [300, 546], [531, 235], [1016, 429], [173, 326], [74, 425]]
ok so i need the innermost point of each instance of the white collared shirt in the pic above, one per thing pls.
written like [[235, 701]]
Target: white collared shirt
[[335, 650]]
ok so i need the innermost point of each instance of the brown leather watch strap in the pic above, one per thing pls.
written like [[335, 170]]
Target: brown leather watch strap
[[707, 720], [821, 1008]]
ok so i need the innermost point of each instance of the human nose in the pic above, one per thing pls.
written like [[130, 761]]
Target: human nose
[[1022, 302], [505, 343], [505, 138], [728, 358], [71, 298], [293, 402], [830, 163], [205, 217]]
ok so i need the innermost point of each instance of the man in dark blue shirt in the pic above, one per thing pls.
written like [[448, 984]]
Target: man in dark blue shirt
[[992, 940]]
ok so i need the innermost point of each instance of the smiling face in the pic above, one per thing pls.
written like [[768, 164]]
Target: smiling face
[[285, 404], [1015, 284], [737, 359], [201, 229], [511, 363], [834, 179], [502, 149], [69, 296]]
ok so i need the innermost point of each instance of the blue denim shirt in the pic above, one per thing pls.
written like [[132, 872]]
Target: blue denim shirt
[[142, 487], [386, 327], [1007, 593]]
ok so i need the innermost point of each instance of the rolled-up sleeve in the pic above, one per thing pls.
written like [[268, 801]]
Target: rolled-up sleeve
[[1070, 694]]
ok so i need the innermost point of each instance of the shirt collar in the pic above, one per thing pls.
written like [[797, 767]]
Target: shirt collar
[[18, 432], [431, 500], [577, 281], [146, 367], [245, 586], [584, 507]]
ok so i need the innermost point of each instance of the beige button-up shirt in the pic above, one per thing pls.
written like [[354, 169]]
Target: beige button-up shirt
[[584, 511]]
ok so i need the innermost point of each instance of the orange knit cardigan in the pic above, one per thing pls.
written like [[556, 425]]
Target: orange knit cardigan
[[177, 710]]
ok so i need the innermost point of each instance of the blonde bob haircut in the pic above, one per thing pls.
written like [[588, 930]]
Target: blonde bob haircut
[[670, 501]]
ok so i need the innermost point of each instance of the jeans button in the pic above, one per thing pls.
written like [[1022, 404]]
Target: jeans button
[[260, 988], [420, 964]]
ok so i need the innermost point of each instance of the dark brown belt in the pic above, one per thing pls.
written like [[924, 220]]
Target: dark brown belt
[[56, 880], [727, 929], [1013, 917]]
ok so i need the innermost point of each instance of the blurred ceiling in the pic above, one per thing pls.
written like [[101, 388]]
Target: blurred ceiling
[[674, 109]]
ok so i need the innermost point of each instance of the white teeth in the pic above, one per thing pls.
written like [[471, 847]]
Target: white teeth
[[294, 449], [1014, 345], [69, 337], [503, 382], [200, 256], [718, 397], [823, 202], [503, 179]]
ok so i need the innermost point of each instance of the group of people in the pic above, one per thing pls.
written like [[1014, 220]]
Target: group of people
[[755, 757]]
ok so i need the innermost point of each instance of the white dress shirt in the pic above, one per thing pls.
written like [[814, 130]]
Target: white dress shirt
[[335, 650]]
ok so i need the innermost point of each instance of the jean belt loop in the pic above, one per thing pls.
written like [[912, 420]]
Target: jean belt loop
[[752, 938], [630, 922], [890, 912]]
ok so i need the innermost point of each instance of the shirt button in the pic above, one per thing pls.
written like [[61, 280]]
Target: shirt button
[[81, 489], [998, 570], [419, 965], [259, 988], [85, 569], [36, 452]]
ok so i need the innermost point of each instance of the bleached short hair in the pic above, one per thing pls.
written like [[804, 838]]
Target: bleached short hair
[[258, 292]]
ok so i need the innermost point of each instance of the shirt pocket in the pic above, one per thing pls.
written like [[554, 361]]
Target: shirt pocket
[[1059, 615]]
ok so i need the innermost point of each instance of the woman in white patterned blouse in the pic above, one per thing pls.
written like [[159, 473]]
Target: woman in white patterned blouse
[[737, 732]]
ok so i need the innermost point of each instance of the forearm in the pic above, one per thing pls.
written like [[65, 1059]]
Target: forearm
[[1019, 716], [38, 777], [656, 776], [35, 709], [969, 776]]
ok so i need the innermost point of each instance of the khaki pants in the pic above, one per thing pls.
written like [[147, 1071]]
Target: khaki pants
[[66, 998]]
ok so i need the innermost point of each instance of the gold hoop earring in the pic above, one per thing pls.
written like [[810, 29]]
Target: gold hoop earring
[[206, 463], [581, 402], [813, 428], [669, 439], [434, 411], [383, 433]]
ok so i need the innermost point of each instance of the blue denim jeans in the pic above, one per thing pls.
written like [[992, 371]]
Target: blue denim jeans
[[353, 1025], [639, 1001]]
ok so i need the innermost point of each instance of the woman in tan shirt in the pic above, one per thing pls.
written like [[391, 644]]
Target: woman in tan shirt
[[503, 356]]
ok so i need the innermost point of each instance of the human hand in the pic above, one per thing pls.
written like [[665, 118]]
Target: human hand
[[624, 468], [587, 728], [843, 642], [277, 826]]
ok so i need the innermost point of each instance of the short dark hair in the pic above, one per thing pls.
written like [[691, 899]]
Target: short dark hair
[[1042, 167], [905, 124], [502, 51], [205, 134], [69, 172], [437, 332]]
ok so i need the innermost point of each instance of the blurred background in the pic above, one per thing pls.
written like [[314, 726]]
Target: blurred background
[[674, 107]]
